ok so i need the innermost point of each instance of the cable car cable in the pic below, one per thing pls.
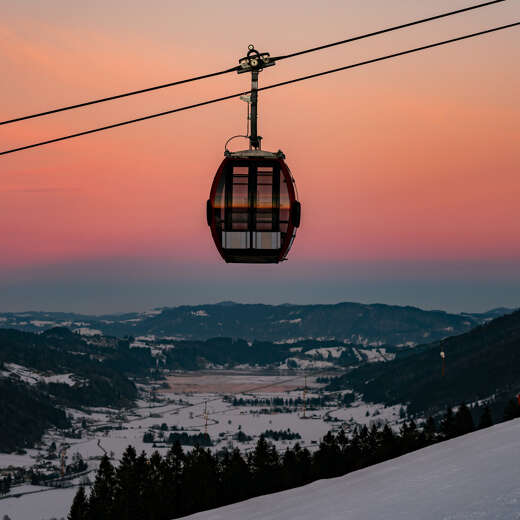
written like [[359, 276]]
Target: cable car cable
[[387, 30], [268, 87], [118, 96], [236, 68]]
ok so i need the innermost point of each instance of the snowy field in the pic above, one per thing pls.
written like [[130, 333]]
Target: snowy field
[[192, 403], [476, 476], [51, 503]]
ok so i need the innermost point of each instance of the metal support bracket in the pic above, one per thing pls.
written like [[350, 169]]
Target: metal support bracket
[[254, 62]]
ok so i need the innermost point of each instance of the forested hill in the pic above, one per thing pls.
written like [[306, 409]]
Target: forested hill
[[358, 323], [482, 363], [61, 363], [41, 374]]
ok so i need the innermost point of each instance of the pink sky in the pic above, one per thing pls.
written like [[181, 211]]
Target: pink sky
[[412, 162]]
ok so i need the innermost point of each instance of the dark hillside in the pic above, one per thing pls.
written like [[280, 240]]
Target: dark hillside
[[30, 403], [25, 414], [479, 364], [60, 351]]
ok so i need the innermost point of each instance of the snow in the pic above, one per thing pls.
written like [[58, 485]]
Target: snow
[[475, 476], [12, 459], [31, 377], [289, 341], [305, 363], [361, 340], [148, 337], [139, 344], [357, 354], [408, 344], [153, 312], [24, 488], [200, 313], [68, 379], [39, 323], [377, 354], [87, 331], [325, 352], [25, 374], [49, 503]]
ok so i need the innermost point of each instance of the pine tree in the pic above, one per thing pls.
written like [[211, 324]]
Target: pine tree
[[101, 500], [486, 419], [373, 444], [363, 445], [354, 454], [154, 489], [304, 460], [388, 444], [448, 424], [199, 480], [410, 437], [327, 460], [265, 467], [235, 484], [79, 508], [172, 478], [127, 489], [5, 485], [463, 420], [512, 410], [289, 469], [429, 431]]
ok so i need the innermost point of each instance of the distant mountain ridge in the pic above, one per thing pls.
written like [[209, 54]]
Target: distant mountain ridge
[[373, 324]]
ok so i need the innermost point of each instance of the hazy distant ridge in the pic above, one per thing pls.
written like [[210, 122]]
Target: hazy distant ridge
[[374, 324]]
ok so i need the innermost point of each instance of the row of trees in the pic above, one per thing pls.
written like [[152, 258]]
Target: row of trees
[[5, 485], [182, 483], [287, 403]]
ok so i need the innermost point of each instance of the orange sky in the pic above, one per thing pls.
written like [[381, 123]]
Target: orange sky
[[410, 162]]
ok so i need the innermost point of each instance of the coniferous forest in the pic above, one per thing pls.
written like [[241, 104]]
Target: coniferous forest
[[182, 483]]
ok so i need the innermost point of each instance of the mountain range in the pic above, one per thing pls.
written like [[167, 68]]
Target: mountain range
[[361, 324]]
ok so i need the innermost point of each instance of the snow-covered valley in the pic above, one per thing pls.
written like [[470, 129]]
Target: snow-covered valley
[[223, 403]]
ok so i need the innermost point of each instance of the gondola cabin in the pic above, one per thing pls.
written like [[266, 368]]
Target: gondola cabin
[[253, 211]]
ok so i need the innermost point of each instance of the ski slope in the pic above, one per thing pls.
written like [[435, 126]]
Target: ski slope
[[476, 476]]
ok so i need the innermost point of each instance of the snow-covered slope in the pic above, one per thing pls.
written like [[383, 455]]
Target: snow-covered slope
[[476, 476]]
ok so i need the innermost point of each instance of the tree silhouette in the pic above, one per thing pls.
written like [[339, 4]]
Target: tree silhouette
[[79, 507], [101, 500], [512, 410], [447, 428], [486, 419], [463, 420]]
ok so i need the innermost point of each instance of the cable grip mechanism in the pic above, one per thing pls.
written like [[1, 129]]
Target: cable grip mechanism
[[254, 60]]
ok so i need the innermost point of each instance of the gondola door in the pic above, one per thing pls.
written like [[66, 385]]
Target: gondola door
[[236, 234], [266, 208]]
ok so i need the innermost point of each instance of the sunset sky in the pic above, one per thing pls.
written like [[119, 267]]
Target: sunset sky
[[408, 170]]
